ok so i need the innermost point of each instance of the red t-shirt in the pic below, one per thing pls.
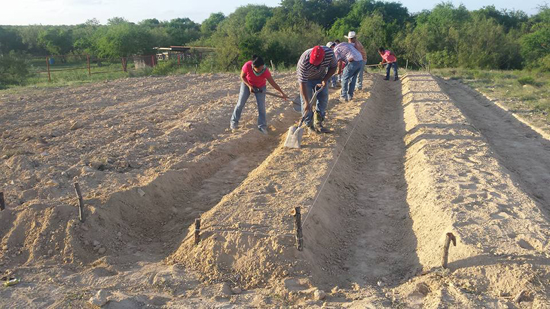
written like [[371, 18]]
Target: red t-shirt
[[251, 78], [389, 56]]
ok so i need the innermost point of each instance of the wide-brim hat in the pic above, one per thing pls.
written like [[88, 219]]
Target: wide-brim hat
[[350, 35]]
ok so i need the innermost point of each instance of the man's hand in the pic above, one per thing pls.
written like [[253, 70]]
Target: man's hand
[[285, 97], [251, 89]]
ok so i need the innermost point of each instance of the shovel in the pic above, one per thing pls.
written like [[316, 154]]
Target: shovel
[[295, 133]]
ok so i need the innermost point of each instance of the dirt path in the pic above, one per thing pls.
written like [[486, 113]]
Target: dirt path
[[520, 149], [383, 251]]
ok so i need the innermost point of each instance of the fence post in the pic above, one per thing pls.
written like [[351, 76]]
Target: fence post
[[179, 61], [407, 65], [124, 64], [88, 62], [48, 65], [152, 60]]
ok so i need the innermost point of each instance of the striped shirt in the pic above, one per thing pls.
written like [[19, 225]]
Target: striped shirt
[[347, 51], [307, 71]]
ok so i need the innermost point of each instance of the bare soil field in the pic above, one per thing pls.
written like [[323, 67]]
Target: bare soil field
[[407, 162]]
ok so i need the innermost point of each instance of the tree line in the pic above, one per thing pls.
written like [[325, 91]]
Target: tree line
[[445, 36]]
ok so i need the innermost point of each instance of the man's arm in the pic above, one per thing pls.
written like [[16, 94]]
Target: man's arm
[[330, 72], [303, 91], [243, 78]]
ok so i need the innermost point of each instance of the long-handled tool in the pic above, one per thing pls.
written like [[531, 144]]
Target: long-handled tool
[[296, 103], [295, 133]]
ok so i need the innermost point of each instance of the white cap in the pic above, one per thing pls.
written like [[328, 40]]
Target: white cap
[[330, 44], [350, 35]]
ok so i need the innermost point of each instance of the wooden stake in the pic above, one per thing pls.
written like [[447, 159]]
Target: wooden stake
[[272, 66], [89, 67], [80, 202], [2, 202], [48, 65], [450, 237], [197, 231], [298, 225]]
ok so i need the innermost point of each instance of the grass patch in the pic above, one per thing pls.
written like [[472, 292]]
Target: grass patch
[[525, 90]]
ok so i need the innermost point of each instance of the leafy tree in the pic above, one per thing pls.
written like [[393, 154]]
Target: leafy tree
[[182, 31], [535, 46], [209, 25], [373, 34], [10, 40], [123, 39], [84, 37], [57, 41]]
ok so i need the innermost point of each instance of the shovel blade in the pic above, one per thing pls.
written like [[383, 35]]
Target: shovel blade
[[294, 137]]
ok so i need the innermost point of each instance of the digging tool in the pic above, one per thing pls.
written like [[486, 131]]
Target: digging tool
[[295, 133], [296, 103]]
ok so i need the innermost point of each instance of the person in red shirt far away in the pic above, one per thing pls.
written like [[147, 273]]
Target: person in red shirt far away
[[389, 58], [254, 75]]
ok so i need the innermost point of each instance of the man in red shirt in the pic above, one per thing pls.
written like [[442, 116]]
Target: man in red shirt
[[389, 58]]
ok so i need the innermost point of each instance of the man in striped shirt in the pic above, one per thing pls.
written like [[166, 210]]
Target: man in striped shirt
[[346, 52], [315, 67]]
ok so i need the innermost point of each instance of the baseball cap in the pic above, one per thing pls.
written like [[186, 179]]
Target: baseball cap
[[330, 44], [317, 55], [350, 35]]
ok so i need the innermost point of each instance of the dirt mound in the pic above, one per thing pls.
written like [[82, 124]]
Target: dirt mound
[[249, 237]]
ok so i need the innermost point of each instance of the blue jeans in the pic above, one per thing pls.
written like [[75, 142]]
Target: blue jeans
[[349, 78], [388, 68], [243, 97], [321, 104], [360, 77], [333, 80]]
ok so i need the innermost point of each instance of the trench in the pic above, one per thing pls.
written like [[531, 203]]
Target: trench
[[519, 148], [366, 235], [153, 220]]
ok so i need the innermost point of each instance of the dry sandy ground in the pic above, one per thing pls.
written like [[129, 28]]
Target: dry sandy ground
[[407, 162]]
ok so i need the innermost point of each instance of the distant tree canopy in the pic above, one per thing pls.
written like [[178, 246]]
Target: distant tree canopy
[[446, 36]]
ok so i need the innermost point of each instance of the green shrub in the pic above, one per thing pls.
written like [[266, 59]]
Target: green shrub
[[146, 71], [14, 70], [527, 80], [165, 67]]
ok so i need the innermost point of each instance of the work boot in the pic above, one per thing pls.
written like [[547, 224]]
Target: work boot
[[310, 129], [319, 124]]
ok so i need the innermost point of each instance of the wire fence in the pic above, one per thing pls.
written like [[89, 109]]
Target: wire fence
[[77, 67]]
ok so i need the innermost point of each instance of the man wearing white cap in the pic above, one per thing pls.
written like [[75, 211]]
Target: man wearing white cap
[[352, 38]]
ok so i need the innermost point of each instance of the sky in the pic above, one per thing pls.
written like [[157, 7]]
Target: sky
[[71, 12]]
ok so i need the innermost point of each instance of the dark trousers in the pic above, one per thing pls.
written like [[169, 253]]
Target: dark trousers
[[388, 68]]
